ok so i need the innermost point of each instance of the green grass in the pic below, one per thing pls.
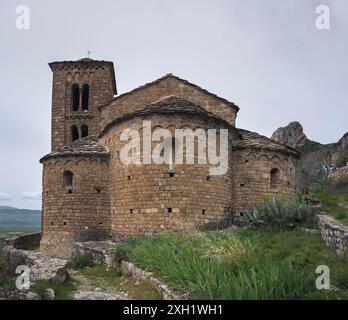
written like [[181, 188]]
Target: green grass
[[81, 261], [5, 232], [248, 264], [63, 291], [106, 279], [334, 203]]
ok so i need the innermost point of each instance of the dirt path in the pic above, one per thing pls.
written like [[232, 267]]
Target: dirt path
[[98, 283]]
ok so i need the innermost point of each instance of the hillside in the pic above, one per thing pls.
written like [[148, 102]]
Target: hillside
[[315, 157], [13, 220]]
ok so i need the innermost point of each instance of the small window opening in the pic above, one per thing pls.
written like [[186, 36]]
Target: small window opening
[[169, 210], [84, 131], [208, 178], [242, 184], [131, 211], [74, 133], [129, 177], [274, 178], [65, 223], [68, 177], [98, 190], [203, 212], [171, 174]]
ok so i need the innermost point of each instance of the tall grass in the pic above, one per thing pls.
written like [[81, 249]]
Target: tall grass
[[251, 264]]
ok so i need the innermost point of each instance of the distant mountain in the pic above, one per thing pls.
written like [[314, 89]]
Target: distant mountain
[[7, 209], [13, 220], [314, 155]]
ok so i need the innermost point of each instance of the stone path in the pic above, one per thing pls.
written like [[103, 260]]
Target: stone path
[[86, 290]]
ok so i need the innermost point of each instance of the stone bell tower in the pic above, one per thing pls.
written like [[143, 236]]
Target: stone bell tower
[[79, 89]]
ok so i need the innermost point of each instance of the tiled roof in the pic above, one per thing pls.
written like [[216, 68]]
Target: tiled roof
[[85, 147]]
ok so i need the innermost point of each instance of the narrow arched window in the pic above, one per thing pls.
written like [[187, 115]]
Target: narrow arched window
[[74, 133], [274, 178], [75, 97], [85, 97], [68, 178], [84, 131]]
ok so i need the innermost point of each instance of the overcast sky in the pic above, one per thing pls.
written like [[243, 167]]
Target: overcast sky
[[266, 56]]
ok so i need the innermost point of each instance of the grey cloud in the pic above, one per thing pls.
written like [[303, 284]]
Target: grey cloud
[[5, 196], [36, 195]]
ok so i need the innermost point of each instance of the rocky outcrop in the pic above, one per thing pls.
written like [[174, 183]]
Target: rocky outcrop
[[291, 135], [42, 266], [340, 154]]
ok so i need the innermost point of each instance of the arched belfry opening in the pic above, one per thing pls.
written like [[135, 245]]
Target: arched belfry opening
[[75, 91], [74, 133], [85, 97], [84, 131]]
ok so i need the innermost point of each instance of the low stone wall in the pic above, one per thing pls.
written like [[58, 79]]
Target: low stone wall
[[334, 234], [24, 241], [136, 273], [102, 251]]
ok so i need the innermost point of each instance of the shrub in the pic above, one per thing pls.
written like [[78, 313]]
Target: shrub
[[281, 213], [80, 261]]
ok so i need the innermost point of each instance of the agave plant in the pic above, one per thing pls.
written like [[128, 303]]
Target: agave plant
[[280, 212]]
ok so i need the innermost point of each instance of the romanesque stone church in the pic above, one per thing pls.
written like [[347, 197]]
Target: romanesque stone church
[[90, 194]]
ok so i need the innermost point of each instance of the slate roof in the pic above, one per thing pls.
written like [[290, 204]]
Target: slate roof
[[84, 147], [249, 139], [170, 75], [170, 105]]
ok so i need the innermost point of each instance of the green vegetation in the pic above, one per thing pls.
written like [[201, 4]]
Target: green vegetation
[[282, 213], [13, 220], [81, 261], [62, 291], [106, 280], [248, 264], [334, 199], [309, 146], [7, 283]]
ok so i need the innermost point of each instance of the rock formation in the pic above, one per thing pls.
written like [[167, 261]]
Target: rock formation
[[291, 135]]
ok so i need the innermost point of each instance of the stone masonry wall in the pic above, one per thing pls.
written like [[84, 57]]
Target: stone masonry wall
[[167, 87], [334, 234], [152, 198], [79, 213], [98, 77], [251, 179]]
